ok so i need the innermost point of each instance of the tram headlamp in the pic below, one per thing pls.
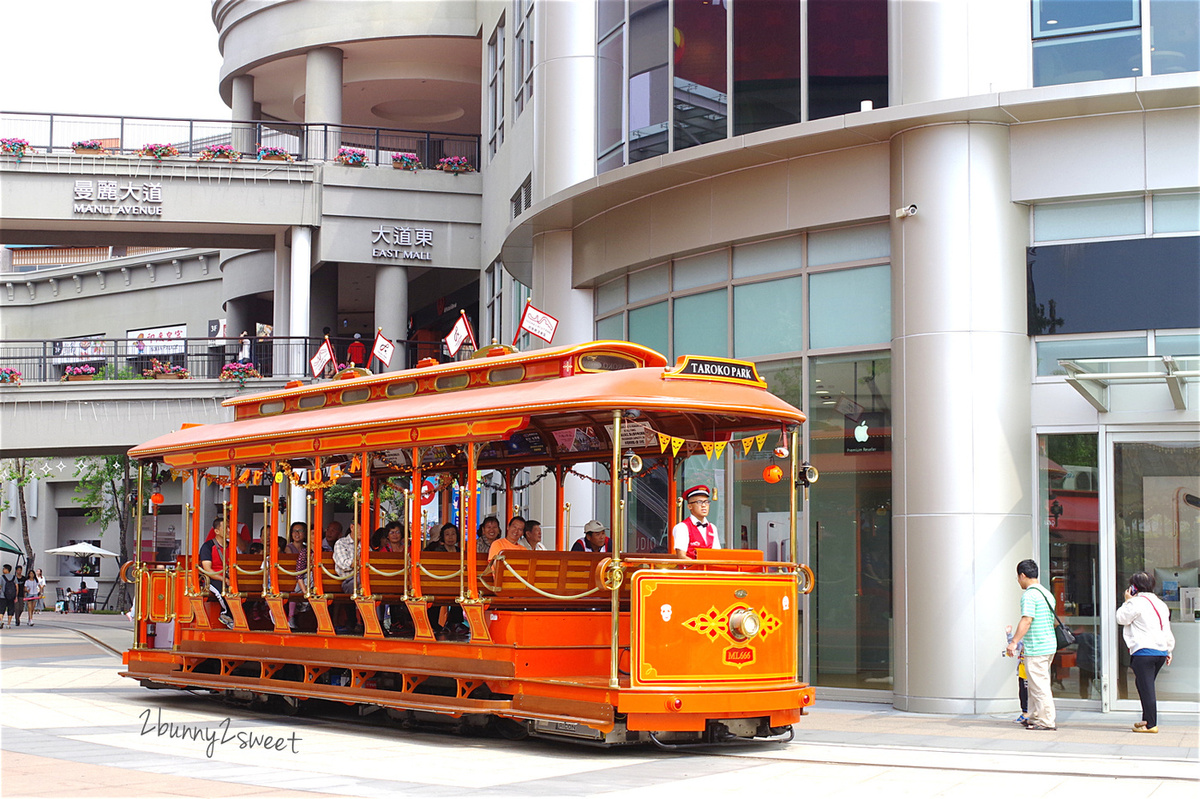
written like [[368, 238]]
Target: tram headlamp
[[808, 474], [744, 624]]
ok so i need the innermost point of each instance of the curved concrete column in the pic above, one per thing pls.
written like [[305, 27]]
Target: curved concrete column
[[962, 477], [301, 292], [391, 308], [281, 320], [564, 81], [323, 101], [243, 109]]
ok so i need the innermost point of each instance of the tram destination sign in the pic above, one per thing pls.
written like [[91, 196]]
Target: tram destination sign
[[402, 242], [110, 198], [723, 369]]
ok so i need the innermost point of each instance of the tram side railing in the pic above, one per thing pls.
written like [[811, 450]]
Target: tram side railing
[[51, 360]]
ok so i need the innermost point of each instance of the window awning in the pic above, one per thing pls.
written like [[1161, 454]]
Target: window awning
[[1095, 378]]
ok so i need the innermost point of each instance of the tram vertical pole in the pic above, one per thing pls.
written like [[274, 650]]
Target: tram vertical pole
[[509, 474], [414, 510], [271, 548], [560, 496], [471, 554], [316, 556], [137, 557], [618, 530], [193, 533], [792, 504]]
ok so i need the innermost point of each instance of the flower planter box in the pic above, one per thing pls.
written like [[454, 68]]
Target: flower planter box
[[161, 376], [398, 165], [274, 158], [79, 378], [88, 151]]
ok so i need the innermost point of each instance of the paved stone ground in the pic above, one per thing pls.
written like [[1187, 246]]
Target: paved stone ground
[[72, 727]]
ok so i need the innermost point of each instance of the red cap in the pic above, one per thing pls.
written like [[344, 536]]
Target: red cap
[[696, 491]]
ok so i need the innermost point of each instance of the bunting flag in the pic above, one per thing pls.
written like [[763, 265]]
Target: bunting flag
[[539, 323], [719, 448], [760, 440], [708, 449], [383, 348], [324, 355], [663, 441], [676, 443], [747, 443], [459, 334]]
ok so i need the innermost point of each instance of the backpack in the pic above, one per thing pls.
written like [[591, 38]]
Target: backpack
[[10, 588]]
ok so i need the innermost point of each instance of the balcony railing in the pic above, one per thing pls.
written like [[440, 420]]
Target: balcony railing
[[203, 358], [55, 133]]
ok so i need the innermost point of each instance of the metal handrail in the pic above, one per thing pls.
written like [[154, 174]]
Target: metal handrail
[[53, 132]]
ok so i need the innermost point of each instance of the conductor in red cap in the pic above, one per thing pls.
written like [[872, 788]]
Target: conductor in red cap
[[696, 531]]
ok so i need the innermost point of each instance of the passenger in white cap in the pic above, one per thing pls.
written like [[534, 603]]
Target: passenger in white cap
[[595, 539]]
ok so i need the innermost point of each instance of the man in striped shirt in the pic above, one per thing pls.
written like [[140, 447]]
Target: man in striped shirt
[[1036, 629]]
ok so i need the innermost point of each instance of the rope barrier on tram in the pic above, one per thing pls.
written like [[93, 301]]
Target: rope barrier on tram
[[289, 572], [433, 576], [240, 570], [383, 573], [537, 590]]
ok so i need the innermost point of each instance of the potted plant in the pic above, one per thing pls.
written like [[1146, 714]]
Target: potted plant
[[89, 147], [84, 372], [18, 147], [219, 151], [348, 156], [157, 151], [165, 371], [240, 372], [274, 154], [455, 164], [10, 376], [408, 161]]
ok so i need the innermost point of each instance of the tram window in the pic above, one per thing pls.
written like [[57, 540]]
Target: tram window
[[509, 374], [269, 408], [451, 382], [404, 389], [312, 401], [605, 362], [351, 395]]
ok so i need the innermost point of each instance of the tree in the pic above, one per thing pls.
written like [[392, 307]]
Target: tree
[[108, 491], [20, 471]]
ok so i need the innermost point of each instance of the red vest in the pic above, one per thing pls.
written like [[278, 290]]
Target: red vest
[[697, 539]]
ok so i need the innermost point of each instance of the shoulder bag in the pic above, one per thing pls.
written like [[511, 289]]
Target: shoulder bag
[[1063, 635]]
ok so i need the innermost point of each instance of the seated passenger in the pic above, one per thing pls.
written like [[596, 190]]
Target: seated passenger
[[212, 565], [595, 539], [447, 540], [488, 532], [533, 536]]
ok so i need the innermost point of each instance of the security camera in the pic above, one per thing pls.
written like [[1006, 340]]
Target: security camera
[[910, 210]]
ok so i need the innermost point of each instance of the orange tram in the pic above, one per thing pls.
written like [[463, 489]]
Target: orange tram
[[606, 648]]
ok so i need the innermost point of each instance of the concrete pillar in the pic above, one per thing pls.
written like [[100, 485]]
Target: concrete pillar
[[564, 131], [244, 109], [962, 470], [281, 319], [323, 101], [391, 310], [237, 319], [301, 269], [940, 49]]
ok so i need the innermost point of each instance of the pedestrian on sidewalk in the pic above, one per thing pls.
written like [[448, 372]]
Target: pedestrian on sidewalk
[[1148, 635], [41, 590], [32, 595], [1036, 630], [8, 597], [1022, 683], [20, 602]]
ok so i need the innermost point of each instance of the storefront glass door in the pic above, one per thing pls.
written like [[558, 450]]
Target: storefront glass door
[[1155, 518]]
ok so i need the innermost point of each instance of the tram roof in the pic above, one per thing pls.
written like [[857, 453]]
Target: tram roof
[[682, 401]]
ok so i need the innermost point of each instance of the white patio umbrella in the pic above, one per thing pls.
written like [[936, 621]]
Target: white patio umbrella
[[84, 550]]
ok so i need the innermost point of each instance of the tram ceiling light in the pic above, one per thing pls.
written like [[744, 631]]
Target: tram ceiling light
[[906, 211]]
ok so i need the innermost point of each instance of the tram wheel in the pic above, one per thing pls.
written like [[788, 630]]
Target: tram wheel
[[509, 729]]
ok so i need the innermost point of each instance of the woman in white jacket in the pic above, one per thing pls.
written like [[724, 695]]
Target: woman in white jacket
[[1148, 635]]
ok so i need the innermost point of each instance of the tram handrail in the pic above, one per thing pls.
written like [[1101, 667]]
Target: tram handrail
[[240, 570], [433, 576], [375, 570]]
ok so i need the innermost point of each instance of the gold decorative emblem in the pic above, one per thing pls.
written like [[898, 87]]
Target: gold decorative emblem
[[730, 624]]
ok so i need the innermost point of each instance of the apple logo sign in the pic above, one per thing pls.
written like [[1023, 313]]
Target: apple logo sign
[[860, 433]]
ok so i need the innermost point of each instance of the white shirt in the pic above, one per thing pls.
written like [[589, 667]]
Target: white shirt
[[1144, 629], [680, 536]]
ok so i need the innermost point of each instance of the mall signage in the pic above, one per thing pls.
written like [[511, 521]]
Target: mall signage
[[402, 243], [110, 198]]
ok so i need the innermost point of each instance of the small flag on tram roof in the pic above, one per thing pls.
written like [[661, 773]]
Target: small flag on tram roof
[[460, 333], [324, 355], [383, 348], [539, 323]]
